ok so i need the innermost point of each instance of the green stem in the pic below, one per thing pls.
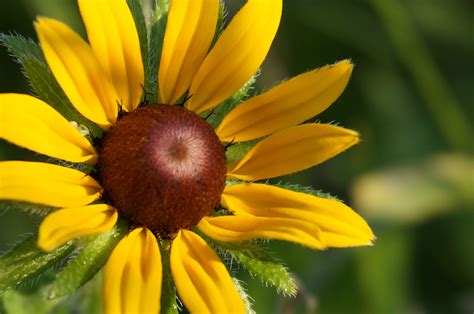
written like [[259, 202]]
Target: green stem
[[413, 52]]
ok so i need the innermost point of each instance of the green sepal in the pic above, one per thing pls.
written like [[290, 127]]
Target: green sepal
[[260, 264], [244, 296], [236, 152], [157, 35], [218, 113], [305, 189], [220, 22], [26, 260], [140, 23], [26, 207], [168, 290], [83, 167], [29, 55], [86, 263]]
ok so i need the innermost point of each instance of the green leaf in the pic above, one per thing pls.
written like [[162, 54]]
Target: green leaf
[[140, 23], [305, 189], [86, 263], [26, 207], [87, 299], [260, 264], [168, 290], [157, 34], [16, 302], [29, 55], [26, 260], [218, 113]]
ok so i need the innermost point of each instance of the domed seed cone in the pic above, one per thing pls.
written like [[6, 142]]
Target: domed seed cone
[[162, 167]]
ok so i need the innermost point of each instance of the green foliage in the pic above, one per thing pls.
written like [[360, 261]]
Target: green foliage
[[168, 290], [16, 302], [383, 273], [86, 263], [157, 34], [29, 55], [26, 260], [260, 264]]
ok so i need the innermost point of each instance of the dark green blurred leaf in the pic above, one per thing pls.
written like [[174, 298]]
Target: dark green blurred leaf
[[383, 273], [29, 55], [26, 260], [86, 263]]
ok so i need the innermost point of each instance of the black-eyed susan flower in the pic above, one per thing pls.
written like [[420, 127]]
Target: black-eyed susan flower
[[159, 166]]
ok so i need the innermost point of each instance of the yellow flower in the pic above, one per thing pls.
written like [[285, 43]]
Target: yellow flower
[[159, 167]]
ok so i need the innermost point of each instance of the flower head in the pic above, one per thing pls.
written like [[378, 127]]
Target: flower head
[[160, 167]]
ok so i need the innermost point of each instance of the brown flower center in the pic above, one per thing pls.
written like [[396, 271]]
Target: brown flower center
[[162, 167]]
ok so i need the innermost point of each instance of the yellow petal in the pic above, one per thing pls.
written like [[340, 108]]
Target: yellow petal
[[47, 184], [77, 70], [340, 226], [114, 39], [133, 274], [248, 227], [237, 55], [292, 150], [202, 281], [66, 224], [288, 104], [29, 122], [189, 33]]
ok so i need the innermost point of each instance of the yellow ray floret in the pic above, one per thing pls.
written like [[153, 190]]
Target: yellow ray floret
[[133, 275], [203, 282], [246, 227], [189, 33], [78, 72], [237, 55], [340, 226], [292, 150], [114, 39], [287, 104], [46, 184], [29, 122], [66, 224]]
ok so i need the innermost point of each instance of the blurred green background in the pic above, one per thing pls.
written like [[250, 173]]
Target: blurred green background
[[412, 177]]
